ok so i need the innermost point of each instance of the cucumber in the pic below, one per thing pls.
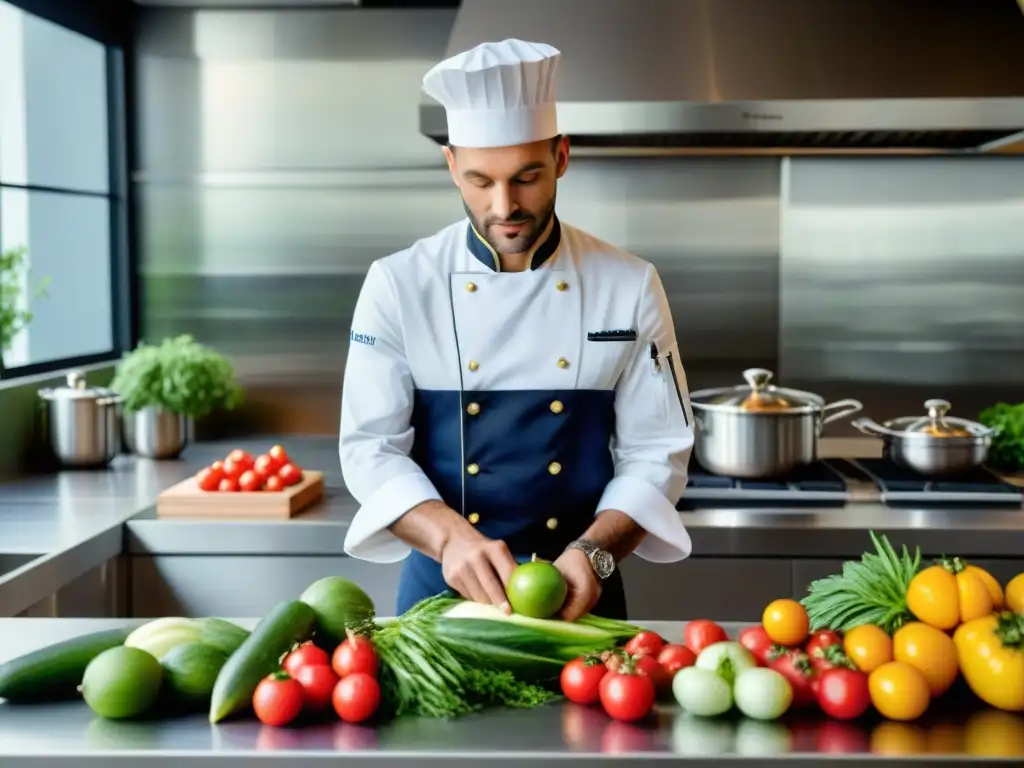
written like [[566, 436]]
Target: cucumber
[[55, 672], [159, 636], [190, 672], [288, 623]]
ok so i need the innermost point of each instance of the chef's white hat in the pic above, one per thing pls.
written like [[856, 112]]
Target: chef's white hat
[[497, 94]]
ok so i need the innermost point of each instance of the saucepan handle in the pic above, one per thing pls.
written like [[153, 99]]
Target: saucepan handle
[[870, 427], [840, 409]]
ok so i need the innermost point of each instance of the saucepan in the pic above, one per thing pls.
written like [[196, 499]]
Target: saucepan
[[759, 430], [936, 444]]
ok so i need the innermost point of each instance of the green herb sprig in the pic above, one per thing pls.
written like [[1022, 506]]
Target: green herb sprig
[[1007, 449], [179, 375], [14, 317]]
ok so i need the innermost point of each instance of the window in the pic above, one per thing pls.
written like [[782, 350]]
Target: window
[[62, 191]]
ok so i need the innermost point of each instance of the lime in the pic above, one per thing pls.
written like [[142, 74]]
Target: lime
[[536, 589], [122, 682]]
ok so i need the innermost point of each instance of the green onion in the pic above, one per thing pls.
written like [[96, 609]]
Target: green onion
[[447, 656]]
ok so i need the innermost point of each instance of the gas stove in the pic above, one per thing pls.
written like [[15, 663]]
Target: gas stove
[[905, 486], [818, 484]]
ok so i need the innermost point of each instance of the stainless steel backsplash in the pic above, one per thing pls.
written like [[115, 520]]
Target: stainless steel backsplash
[[280, 155]]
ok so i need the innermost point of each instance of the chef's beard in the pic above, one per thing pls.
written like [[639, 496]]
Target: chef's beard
[[522, 242]]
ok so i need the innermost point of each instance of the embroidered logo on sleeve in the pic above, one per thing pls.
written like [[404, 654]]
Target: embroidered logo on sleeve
[[362, 338]]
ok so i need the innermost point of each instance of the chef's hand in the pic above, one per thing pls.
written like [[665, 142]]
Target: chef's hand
[[584, 585], [478, 568]]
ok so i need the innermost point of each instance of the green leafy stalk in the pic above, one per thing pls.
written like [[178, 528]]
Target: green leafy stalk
[[870, 591], [1007, 448], [179, 375]]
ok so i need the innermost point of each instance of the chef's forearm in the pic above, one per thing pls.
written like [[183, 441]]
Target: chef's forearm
[[615, 532], [429, 526]]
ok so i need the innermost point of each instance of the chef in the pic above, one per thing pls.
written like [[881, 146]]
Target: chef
[[513, 384]]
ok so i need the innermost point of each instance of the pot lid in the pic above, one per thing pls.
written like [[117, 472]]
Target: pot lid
[[760, 395], [76, 389], [937, 423]]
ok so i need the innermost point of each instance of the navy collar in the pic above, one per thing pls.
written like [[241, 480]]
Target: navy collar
[[483, 252]]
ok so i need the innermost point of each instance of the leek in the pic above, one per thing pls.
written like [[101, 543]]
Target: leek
[[447, 656]]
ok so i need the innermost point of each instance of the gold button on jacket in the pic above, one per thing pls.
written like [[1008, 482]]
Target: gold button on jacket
[[556, 406], [470, 287], [473, 365], [472, 469], [562, 362], [562, 285], [474, 518], [473, 409], [554, 468], [552, 523]]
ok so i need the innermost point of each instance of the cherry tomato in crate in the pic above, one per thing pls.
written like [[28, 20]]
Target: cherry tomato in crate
[[274, 483], [290, 474]]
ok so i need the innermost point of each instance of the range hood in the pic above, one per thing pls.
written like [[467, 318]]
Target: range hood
[[776, 76]]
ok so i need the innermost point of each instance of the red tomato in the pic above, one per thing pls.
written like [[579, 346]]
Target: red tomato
[[354, 655], [356, 697], [250, 481], [233, 469], [318, 682], [645, 643], [756, 640], [228, 485], [290, 474], [274, 483], [648, 665], [701, 633], [265, 465], [843, 693], [280, 457], [674, 657], [581, 679], [822, 639], [278, 700], [796, 668], [240, 457], [209, 479], [626, 697], [306, 655]]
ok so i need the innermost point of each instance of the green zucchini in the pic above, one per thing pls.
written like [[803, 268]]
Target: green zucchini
[[288, 623], [55, 672]]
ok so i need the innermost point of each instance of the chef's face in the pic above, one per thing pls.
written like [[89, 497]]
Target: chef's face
[[509, 192]]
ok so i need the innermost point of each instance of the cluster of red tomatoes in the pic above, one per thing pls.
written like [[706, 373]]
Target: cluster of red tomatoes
[[240, 471], [310, 682], [626, 682], [815, 664]]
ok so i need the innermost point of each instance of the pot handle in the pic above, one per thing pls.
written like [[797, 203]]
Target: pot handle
[[844, 408], [870, 427]]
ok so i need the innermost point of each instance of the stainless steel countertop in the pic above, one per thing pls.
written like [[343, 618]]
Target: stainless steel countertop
[[69, 732], [58, 527]]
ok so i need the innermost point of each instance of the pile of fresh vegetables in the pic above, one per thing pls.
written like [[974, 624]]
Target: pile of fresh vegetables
[[885, 634]]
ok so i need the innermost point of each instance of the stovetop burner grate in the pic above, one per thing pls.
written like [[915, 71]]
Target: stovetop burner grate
[[899, 484], [818, 483]]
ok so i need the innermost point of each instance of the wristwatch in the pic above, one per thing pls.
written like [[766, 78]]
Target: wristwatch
[[602, 560]]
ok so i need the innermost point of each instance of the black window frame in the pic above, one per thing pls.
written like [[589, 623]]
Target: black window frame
[[110, 23]]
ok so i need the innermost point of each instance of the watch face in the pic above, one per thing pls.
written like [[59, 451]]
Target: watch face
[[604, 564]]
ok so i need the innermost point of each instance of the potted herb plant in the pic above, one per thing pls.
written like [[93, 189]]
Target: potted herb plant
[[166, 387], [13, 316]]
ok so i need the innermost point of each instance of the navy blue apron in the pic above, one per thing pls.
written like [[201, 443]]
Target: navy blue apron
[[540, 462]]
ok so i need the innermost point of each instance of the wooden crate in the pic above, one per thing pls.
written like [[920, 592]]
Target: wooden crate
[[186, 500]]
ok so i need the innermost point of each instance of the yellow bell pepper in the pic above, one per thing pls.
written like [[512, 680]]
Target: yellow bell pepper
[[990, 652], [951, 593]]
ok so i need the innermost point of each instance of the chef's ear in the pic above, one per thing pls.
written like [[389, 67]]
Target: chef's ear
[[449, 155], [561, 156]]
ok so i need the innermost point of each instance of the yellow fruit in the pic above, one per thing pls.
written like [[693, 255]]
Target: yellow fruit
[[868, 647], [949, 594], [898, 691], [1015, 594], [991, 584], [785, 622], [994, 733], [930, 651], [990, 651]]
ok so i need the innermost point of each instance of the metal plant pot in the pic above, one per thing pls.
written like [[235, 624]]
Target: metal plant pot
[[157, 434]]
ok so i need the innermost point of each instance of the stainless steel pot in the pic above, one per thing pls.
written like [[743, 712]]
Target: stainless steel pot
[[83, 424], [760, 430], [156, 433], [935, 444]]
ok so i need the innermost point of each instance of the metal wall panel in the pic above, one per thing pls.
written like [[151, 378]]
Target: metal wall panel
[[903, 279]]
